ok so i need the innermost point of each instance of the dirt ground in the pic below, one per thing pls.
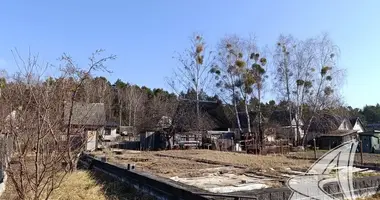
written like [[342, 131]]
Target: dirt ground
[[214, 171], [217, 171], [192, 162], [368, 158]]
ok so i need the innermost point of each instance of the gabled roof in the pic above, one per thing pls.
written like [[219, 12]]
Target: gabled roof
[[85, 114], [353, 120], [326, 123], [213, 112], [111, 124], [280, 117], [243, 118], [253, 118], [217, 113]]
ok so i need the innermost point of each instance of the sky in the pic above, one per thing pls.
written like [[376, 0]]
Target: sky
[[144, 35]]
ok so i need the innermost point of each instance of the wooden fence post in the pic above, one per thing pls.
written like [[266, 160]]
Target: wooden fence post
[[315, 148], [361, 152]]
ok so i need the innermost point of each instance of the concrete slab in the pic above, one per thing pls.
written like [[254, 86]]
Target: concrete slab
[[224, 183]]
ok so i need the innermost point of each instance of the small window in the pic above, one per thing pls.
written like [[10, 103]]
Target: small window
[[107, 132]]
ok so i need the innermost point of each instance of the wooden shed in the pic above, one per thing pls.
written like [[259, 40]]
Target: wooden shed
[[152, 140], [335, 138]]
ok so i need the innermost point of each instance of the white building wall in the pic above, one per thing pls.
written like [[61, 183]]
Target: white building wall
[[91, 140], [345, 125], [358, 128], [112, 136]]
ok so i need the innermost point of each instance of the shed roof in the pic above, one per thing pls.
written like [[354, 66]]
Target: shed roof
[[280, 117], [326, 123], [111, 124], [86, 114], [373, 132], [339, 133]]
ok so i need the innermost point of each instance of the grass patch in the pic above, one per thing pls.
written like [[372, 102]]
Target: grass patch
[[362, 175], [374, 197], [79, 185], [82, 185]]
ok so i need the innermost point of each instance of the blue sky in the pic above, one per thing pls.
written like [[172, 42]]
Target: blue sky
[[145, 34]]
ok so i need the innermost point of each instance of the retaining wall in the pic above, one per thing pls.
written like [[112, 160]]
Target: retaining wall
[[162, 188], [154, 186]]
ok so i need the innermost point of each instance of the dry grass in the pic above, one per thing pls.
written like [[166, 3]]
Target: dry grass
[[82, 185], [368, 158], [241, 159], [79, 185], [374, 197], [162, 166]]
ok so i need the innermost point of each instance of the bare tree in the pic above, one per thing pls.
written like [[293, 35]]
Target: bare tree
[[132, 99], [327, 80], [159, 114], [193, 72], [35, 107], [71, 69], [34, 124]]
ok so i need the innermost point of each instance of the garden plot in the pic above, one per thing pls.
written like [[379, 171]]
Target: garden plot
[[216, 171]]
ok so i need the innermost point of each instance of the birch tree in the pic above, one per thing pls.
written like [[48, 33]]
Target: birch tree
[[283, 73], [326, 81], [227, 74], [239, 69], [258, 73], [307, 75]]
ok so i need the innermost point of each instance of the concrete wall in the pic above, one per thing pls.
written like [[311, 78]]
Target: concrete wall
[[155, 186], [162, 188]]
